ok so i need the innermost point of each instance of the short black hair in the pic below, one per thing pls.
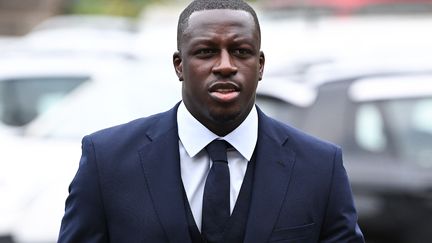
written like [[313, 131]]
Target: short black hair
[[199, 5]]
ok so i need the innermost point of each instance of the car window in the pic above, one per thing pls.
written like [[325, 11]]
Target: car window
[[414, 128], [369, 133], [405, 124], [422, 116], [21, 100]]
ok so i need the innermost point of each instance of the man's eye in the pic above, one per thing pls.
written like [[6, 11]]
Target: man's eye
[[242, 52], [205, 52]]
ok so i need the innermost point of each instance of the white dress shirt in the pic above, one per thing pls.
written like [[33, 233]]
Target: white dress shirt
[[195, 162]]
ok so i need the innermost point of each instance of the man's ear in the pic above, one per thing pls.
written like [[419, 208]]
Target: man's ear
[[178, 65], [261, 65]]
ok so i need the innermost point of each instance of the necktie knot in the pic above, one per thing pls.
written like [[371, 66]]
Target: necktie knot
[[217, 150]]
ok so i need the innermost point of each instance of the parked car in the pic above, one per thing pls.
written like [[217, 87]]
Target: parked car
[[30, 85], [382, 118]]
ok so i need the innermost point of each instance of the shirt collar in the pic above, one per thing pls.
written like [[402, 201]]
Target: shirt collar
[[195, 136]]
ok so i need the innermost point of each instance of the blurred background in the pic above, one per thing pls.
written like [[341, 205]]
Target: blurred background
[[355, 72]]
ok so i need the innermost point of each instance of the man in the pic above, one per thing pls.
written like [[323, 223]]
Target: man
[[157, 179]]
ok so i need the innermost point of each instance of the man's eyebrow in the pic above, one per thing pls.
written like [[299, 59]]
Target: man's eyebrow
[[235, 39], [202, 40]]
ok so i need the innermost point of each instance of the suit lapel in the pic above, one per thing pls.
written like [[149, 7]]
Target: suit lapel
[[160, 161], [274, 163]]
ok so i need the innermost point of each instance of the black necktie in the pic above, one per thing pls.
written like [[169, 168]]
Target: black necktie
[[216, 199]]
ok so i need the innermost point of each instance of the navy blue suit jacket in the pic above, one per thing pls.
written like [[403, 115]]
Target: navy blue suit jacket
[[128, 187]]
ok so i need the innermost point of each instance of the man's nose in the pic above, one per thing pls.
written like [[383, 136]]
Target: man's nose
[[225, 65]]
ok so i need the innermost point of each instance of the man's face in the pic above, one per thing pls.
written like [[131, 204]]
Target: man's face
[[220, 64]]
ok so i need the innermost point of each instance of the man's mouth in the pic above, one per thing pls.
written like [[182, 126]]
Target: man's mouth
[[224, 91]]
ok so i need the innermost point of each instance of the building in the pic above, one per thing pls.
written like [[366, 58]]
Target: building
[[17, 17]]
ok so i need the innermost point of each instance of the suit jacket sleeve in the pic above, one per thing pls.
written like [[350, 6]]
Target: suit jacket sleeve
[[340, 224], [84, 219]]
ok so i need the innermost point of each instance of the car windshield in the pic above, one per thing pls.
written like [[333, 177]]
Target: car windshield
[[23, 99], [107, 102], [403, 126]]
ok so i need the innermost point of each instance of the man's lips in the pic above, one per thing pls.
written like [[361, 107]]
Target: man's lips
[[224, 91]]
